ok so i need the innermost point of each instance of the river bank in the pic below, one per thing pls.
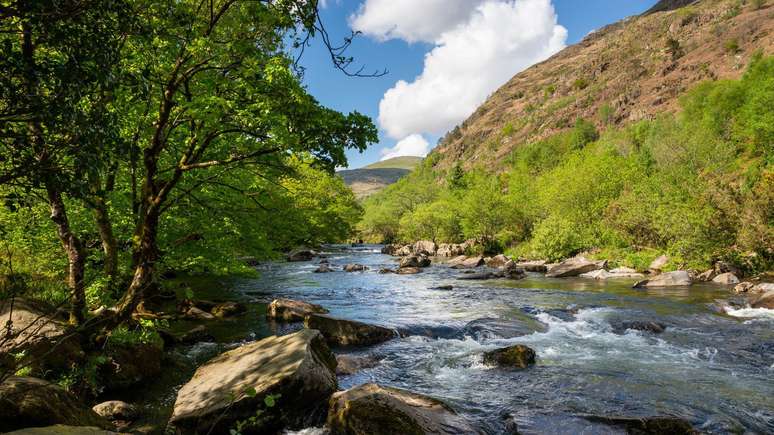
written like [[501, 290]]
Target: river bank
[[708, 368]]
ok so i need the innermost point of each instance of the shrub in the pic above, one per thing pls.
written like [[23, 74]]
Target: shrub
[[556, 238], [580, 84], [732, 46]]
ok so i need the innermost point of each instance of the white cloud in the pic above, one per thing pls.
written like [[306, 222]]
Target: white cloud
[[411, 20], [499, 39], [413, 145]]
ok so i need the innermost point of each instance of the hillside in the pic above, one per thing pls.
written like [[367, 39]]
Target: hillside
[[407, 162], [622, 73], [376, 176]]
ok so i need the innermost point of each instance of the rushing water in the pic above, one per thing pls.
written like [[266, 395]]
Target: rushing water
[[715, 370]]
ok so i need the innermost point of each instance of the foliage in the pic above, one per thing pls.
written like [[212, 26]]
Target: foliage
[[696, 186]]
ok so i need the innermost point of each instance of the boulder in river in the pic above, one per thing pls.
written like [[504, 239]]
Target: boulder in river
[[646, 425], [291, 310], [297, 370], [196, 335], [355, 268], [130, 364], [481, 276], [415, 261], [456, 260], [497, 261], [763, 300], [385, 270], [574, 267], [516, 357], [342, 332], [425, 247], [468, 263], [602, 274], [32, 402], [640, 325], [408, 270], [228, 309], [707, 275], [449, 250], [490, 328], [667, 279], [116, 410], [37, 331], [403, 251], [301, 255], [324, 268], [533, 266], [371, 409], [351, 364], [63, 429], [390, 249], [743, 287], [726, 278]]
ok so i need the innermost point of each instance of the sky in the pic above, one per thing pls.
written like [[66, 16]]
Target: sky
[[443, 58]]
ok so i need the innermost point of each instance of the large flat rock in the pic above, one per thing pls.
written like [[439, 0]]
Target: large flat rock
[[371, 409], [574, 267], [290, 310], [299, 368]]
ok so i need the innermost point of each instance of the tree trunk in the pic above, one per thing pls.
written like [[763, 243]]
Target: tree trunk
[[109, 243], [75, 255], [145, 257]]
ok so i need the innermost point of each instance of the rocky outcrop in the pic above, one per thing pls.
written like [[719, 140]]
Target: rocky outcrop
[[574, 267], [450, 250], [425, 247], [515, 357], [351, 364], [668, 279], [727, 278], [40, 335], [32, 402], [372, 409], [301, 255], [341, 332], [298, 370], [355, 268], [291, 310]]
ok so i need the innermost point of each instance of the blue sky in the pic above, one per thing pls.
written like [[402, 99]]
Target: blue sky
[[472, 47]]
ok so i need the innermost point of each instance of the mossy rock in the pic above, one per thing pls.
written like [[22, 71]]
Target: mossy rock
[[518, 357]]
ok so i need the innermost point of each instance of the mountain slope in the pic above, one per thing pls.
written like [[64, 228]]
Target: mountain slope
[[622, 73], [375, 177]]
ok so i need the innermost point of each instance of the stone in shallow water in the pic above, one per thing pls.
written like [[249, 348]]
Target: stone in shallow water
[[351, 364], [668, 279], [659, 425], [574, 267], [371, 409], [292, 310], [342, 332], [516, 357], [494, 328], [640, 325], [298, 369]]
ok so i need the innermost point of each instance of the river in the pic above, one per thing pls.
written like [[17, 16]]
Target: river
[[715, 370]]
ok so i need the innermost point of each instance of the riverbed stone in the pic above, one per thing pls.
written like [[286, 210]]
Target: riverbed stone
[[351, 364], [372, 409], [497, 261], [640, 325], [425, 247], [468, 262], [228, 309], [480, 276], [646, 425], [355, 268], [726, 278], [298, 370], [62, 429], [450, 250], [130, 364], [404, 251], [33, 402], [324, 268], [533, 266], [408, 270], [763, 300], [574, 267], [390, 249], [116, 410], [414, 261], [490, 328], [667, 279], [301, 255], [291, 310], [456, 260], [343, 332], [517, 357], [36, 330], [743, 287]]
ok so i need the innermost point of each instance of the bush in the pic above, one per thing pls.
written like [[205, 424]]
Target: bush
[[556, 238]]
